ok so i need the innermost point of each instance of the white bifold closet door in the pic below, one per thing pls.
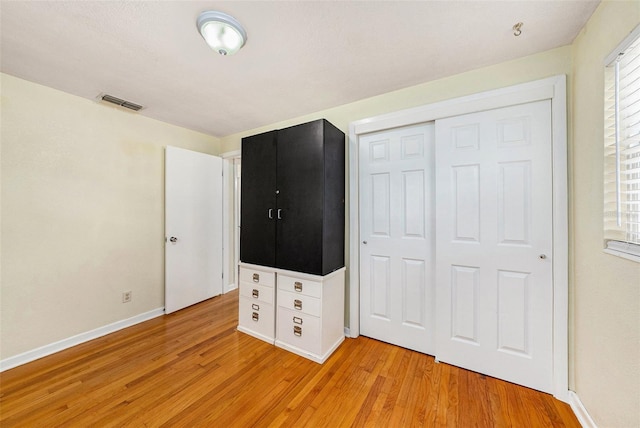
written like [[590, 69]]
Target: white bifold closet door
[[494, 292], [396, 236]]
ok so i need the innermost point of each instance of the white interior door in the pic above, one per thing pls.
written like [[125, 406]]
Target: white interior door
[[193, 228], [396, 237], [494, 289]]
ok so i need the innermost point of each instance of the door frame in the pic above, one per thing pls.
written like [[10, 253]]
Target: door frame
[[554, 89], [230, 221]]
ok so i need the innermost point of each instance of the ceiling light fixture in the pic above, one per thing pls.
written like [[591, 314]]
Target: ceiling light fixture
[[223, 33]]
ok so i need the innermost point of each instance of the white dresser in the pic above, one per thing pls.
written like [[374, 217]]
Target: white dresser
[[256, 309], [309, 309]]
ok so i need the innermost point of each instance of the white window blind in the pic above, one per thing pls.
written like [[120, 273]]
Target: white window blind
[[622, 148]]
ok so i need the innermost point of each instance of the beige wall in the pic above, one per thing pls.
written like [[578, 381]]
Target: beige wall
[[534, 67], [545, 64], [82, 210], [82, 213], [605, 288]]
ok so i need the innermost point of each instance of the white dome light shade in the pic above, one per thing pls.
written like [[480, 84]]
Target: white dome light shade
[[222, 32]]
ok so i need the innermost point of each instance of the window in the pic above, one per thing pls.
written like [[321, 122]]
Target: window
[[622, 149]]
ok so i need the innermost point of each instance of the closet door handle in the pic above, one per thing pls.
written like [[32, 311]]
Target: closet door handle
[[270, 213], [279, 214]]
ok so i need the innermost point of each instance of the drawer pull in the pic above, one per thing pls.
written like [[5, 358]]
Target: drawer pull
[[255, 307], [297, 320], [256, 277], [255, 293], [297, 304], [255, 316], [297, 331], [297, 286]]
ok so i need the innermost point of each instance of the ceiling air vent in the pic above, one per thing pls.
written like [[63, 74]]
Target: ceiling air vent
[[120, 102]]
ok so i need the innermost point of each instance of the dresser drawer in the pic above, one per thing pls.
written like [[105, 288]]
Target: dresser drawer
[[299, 330], [299, 303], [299, 286], [256, 316], [257, 292], [257, 276]]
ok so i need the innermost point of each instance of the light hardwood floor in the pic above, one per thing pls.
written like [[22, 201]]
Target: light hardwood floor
[[192, 368]]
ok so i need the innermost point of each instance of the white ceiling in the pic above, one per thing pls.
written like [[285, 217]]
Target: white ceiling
[[300, 57]]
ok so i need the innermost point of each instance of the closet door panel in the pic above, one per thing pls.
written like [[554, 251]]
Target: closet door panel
[[300, 198], [258, 200]]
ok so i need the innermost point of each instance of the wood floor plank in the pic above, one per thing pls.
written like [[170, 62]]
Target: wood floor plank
[[193, 368], [473, 412]]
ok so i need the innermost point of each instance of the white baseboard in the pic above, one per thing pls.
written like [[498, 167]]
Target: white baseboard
[[580, 411], [229, 287], [347, 332], [52, 348]]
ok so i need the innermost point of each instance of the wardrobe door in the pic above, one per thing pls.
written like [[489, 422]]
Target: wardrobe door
[[333, 212], [300, 198], [258, 209]]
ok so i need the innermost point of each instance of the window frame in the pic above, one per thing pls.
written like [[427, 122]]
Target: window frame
[[626, 248]]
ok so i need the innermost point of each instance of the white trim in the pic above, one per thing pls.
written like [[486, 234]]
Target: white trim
[[354, 234], [227, 220], [228, 217], [553, 88], [634, 34], [560, 238], [52, 348], [231, 155], [620, 248], [512, 95], [580, 411], [235, 224], [622, 254], [627, 250]]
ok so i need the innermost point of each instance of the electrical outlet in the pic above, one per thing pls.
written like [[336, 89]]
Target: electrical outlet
[[126, 296]]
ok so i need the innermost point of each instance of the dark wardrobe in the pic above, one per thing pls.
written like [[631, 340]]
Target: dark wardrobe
[[292, 198]]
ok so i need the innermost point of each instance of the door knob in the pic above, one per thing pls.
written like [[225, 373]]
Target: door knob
[[542, 256], [364, 242], [173, 239]]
